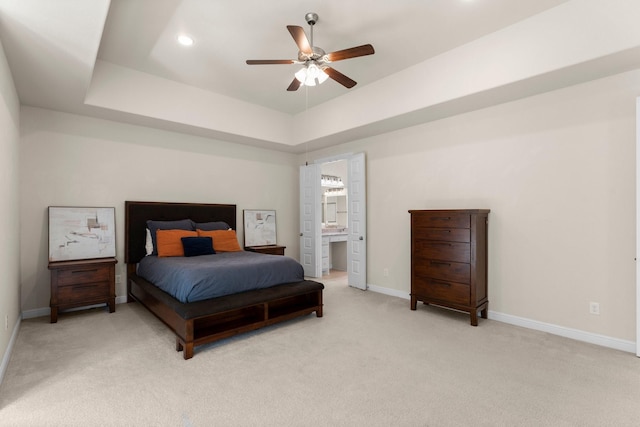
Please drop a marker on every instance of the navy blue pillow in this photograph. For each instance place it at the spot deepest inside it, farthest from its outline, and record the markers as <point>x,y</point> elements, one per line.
<point>153,226</point>
<point>195,246</point>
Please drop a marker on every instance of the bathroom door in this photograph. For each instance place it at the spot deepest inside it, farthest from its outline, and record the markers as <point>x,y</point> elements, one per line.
<point>310,228</point>
<point>357,237</point>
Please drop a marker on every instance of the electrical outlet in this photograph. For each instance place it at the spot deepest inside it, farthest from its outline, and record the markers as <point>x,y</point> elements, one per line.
<point>118,278</point>
<point>385,272</point>
<point>594,308</point>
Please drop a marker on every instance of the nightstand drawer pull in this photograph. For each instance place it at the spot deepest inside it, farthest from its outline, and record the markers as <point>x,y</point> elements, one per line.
<point>85,285</point>
<point>448,264</point>
<point>84,271</point>
<point>441,282</point>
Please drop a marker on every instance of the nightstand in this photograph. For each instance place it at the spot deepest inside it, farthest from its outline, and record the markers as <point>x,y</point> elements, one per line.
<point>81,283</point>
<point>267,249</point>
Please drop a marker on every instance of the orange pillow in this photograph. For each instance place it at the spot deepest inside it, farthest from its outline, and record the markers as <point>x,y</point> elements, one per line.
<point>223,240</point>
<point>169,243</point>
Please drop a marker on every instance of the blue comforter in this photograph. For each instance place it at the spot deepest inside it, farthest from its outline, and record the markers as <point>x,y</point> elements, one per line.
<point>196,278</point>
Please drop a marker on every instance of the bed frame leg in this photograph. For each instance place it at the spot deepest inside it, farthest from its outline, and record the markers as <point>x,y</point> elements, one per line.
<point>185,348</point>
<point>187,353</point>
<point>320,304</point>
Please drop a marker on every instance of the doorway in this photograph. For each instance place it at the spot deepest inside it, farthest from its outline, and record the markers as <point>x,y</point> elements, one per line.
<point>333,217</point>
<point>334,187</point>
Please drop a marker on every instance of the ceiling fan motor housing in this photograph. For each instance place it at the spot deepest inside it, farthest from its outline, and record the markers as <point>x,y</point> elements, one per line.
<point>311,18</point>
<point>316,55</point>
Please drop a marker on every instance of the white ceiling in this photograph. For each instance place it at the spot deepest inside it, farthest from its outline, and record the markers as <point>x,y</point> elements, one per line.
<point>228,32</point>
<point>69,55</point>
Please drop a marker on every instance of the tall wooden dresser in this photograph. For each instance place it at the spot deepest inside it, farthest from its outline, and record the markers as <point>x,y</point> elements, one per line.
<point>449,259</point>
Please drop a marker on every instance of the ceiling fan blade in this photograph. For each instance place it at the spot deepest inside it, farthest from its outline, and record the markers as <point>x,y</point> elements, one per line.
<point>269,61</point>
<point>365,49</point>
<point>300,38</point>
<point>295,84</point>
<point>339,77</point>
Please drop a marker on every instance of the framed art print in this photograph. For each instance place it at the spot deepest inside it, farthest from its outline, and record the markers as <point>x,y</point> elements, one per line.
<point>81,233</point>
<point>259,227</point>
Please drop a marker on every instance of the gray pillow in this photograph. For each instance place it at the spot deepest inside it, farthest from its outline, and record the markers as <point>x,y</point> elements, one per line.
<point>153,226</point>
<point>211,226</point>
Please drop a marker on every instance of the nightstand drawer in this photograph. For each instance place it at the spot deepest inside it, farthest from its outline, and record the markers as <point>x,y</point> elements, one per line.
<point>82,275</point>
<point>83,292</point>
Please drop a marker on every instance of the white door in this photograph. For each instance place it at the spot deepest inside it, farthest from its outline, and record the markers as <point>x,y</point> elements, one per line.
<point>637,226</point>
<point>310,215</point>
<point>357,239</point>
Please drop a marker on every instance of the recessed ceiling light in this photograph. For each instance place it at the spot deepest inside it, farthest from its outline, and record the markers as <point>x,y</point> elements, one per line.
<point>185,40</point>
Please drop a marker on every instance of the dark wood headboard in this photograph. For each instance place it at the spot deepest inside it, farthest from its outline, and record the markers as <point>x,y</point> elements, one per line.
<point>137,214</point>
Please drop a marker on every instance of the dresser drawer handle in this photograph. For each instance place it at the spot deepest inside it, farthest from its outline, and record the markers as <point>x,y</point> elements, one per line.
<point>441,218</point>
<point>84,271</point>
<point>448,264</point>
<point>443,283</point>
<point>441,244</point>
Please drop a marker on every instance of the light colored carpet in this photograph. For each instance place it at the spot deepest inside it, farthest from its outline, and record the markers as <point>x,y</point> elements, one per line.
<point>370,361</point>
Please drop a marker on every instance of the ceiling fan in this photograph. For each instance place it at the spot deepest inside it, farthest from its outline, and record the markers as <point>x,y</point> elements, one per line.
<point>316,69</point>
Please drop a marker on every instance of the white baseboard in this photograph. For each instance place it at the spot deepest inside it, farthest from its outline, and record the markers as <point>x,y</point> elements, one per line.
<point>46,311</point>
<point>390,292</point>
<point>602,340</point>
<point>7,354</point>
<point>36,312</point>
<point>605,341</point>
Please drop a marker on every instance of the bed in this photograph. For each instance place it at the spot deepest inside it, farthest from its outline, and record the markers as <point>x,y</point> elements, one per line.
<point>206,320</point>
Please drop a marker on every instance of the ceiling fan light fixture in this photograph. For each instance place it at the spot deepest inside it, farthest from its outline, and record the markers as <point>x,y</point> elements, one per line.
<point>185,40</point>
<point>311,75</point>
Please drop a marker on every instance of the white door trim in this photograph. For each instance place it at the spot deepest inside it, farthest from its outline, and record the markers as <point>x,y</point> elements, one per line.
<point>637,226</point>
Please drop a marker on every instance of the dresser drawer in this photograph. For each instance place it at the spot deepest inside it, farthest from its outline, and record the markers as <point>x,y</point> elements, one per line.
<point>443,270</point>
<point>82,275</point>
<point>445,234</point>
<point>440,220</point>
<point>325,251</point>
<point>83,292</point>
<point>456,293</point>
<point>325,263</point>
<point>443,251</point>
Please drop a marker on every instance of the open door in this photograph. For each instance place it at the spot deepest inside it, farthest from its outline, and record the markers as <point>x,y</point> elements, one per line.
<point>310,217</point>
<point>637,226</point>
<point>357,240</point>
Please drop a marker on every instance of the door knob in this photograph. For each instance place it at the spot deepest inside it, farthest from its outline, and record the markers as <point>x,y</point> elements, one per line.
<point>361,238</point>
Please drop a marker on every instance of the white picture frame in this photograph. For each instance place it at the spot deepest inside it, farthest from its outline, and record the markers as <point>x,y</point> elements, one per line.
<point>259,227</point>
<point>77,233</point>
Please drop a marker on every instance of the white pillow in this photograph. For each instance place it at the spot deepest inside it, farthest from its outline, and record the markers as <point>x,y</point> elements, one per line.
<point>148,245</point>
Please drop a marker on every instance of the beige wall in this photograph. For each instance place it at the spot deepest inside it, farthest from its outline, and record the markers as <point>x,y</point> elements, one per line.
<point>557,171</point>
<point>9,218</point>
<point>70,160</point>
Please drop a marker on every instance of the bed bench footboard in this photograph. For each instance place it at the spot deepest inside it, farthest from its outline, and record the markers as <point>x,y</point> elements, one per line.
<point>211,320</point>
